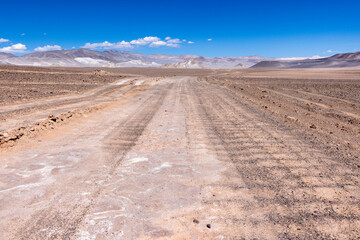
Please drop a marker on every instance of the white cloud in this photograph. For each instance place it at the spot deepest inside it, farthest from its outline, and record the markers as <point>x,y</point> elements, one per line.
<point>108,45</point>
<point>45,34</point>
<point>23,34</point>
<point>190,42</point>
<point>210,39</point>
<point>157,44</point>
<point>47,48</point>
<point>145,40</point>
<point>176,40</point>
<point>16,48</point>
<point>184,40</point>
<point>150,41</point>
<point>175,45</point>
<point>2,40</point>
<point>332,51</point>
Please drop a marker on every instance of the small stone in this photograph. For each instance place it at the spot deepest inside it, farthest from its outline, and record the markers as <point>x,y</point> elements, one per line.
<point>313,126</point>
<point>208,225</point>
<point>195,221</point>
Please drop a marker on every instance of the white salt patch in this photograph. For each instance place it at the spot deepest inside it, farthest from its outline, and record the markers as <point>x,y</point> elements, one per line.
<point>122,82</point>
<point>139,82</point>
<point>139,159</point>
<point>110,211</point>
<point>32,155</point>
<point>164,165</point>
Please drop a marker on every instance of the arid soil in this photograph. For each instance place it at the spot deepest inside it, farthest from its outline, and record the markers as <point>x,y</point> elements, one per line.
<point>170,154</point>
<point>27,83</point>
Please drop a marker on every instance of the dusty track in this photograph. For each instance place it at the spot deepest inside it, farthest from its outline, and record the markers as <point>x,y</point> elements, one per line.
<point>181,159</point>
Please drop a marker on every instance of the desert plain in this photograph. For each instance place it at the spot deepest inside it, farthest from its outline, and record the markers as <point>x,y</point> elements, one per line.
<point>150,153</point>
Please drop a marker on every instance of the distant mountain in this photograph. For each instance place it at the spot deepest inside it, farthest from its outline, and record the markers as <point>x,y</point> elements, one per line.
<point>184,64</point>
<point>346,56</point>
<point>113,58</point>
<point>344,60</point>
<point>4,57</point>
<point>217,62</point>
<point>83,58</point>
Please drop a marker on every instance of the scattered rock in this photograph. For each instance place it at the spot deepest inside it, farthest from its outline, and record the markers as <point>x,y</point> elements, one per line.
<point>195,221</point>
<point>208,225</point>
<point>313,126</point>
<point>292,118</point>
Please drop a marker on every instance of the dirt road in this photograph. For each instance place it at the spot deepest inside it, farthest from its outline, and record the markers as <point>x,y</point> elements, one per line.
<point>177,158</point>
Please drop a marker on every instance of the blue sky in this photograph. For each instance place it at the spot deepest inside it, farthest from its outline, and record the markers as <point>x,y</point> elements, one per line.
<point>237,28</point>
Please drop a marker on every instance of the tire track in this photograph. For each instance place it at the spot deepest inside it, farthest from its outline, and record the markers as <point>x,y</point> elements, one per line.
<point>107,91</point>
<point>273,166</point>
<point>56,224</point>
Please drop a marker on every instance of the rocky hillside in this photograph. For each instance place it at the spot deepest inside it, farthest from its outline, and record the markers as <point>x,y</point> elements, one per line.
<point>344,60</point>
<point>113,58</point>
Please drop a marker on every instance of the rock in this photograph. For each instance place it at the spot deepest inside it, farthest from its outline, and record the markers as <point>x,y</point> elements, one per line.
<point>292,118</point>
<point>208,225</point>
<point>313,126</point>
<point>195,221</point>
<point>52,118</point>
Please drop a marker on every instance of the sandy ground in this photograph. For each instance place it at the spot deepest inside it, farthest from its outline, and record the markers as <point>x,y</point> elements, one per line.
<point>263,154</point>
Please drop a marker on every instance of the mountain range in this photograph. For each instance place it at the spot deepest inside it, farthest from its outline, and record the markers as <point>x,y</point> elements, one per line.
<point>112,58</point>
<point>344,60</point>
